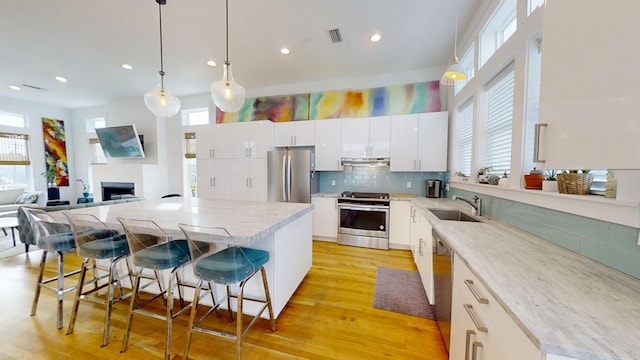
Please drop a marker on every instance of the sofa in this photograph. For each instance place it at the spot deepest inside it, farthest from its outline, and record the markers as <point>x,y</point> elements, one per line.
<point>24,227</point>
<point>12,198</point>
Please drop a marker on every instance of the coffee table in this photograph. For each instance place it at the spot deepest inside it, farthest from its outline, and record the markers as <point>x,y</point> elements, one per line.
<point>11,223</point>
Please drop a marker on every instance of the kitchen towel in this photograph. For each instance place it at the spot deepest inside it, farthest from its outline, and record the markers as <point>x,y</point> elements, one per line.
<point>401,291</point>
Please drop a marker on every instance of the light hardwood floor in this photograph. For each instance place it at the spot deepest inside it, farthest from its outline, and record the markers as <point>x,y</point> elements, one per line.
<point>331,316</point>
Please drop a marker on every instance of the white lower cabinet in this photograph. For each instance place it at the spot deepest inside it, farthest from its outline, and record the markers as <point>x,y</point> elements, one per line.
<point>421,244</point>
<point>480,328</point>
<point>249,179</point>
<point>213,179</point>
<point>325,218</point>
<point>399,224</point>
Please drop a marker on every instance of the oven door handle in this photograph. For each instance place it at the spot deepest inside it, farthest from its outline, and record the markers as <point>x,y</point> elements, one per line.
<point>363,207</point>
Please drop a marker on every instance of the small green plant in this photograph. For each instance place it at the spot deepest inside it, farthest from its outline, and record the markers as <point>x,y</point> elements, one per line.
<point>461,174</point>
<point>484,170</point>
<point>551,175</point>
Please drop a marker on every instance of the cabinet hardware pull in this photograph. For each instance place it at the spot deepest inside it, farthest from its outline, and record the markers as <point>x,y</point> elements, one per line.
<point>475,292</point>
<point>466,343</point>
<point>214,182</point>
<point>476,345</point>
<point>413,214</point>
<point>420,247</point>
<point>250,182</point>
<point>419,164</point>
<point>536,143</point>
<point>414,164</point>
<point>473,317</point>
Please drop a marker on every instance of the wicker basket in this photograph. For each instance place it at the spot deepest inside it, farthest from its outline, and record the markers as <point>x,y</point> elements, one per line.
<point>578,184</point>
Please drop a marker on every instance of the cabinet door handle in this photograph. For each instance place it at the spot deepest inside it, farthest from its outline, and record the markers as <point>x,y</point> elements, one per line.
<point>475,292</point>
<point>476,345</point>
<point>419,164</point>
<point>413,214</point>
<point>250,182</point>
<point>474,318</point>
<point>536,143</point>
<point>420,246</point>
<point>214,182</point>
<point>466,343</point>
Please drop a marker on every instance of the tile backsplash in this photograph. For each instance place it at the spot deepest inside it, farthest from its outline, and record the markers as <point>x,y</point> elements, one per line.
<point>376,179</point>
<point>608,243</point>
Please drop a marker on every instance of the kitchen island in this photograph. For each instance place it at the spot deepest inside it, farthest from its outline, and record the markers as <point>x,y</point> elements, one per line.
<point>283,229</point>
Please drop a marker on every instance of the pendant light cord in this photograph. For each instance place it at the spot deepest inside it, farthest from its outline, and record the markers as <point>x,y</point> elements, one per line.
<point>161,72</point>
<point>455,39</point>
<point>227,63</point>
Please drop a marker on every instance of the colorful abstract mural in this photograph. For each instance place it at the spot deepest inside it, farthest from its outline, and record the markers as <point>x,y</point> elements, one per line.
<point>55,150</point>
<point>390,100</point>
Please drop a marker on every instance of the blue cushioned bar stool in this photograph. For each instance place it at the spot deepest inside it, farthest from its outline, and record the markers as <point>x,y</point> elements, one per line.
<point>153,249</point>
<point>217,259</point>
<point>52,237</point>
<point>96,240</point>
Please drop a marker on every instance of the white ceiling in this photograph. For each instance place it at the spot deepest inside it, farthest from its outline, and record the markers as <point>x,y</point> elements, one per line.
<point>86,41</point>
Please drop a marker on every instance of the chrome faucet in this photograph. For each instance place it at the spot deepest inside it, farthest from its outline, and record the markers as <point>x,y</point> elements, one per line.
<point>476,203</point>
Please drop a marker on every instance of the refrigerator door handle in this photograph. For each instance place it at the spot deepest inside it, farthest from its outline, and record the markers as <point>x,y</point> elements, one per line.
<point>284,178</point>
<point>288,177</point>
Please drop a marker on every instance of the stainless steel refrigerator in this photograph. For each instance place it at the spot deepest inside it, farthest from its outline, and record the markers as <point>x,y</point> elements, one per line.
<point>291,175</point>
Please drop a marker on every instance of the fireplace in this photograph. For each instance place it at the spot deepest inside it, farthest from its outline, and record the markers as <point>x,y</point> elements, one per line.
<point>117,190</point>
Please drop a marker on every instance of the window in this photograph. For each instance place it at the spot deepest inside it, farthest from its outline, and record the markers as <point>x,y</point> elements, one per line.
<point>468,64</point>
<point>96,123</point>
<point>14,155</point>
<point>502,24</point>
<point>465,136</point>
<point>532,100</point>
<point>11,119</point>
<point>198,116</point>
<point>97,154</point>
<point>534,4</point>
<point>499,95</point>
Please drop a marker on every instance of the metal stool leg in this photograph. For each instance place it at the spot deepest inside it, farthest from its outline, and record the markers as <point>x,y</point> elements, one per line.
<point>36,295</point>
<point>268,297</point>
<point>134,297</point>
<point>60,287</point>
<point>76,301</point>
<point>194,310</point>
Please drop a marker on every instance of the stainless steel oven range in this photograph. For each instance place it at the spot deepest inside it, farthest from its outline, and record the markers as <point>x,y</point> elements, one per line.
<point>363,219</point>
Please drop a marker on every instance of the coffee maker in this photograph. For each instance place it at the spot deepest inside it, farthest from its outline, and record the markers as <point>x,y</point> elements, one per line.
<point>433,188</point>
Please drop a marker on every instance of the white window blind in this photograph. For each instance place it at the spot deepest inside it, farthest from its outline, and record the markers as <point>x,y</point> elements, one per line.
<point>465,137</point>
<point>468,64</point>
<point>14,149</point>
<point>499,121</point>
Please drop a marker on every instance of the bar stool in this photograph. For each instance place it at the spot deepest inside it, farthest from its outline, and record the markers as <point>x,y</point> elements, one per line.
<point>216,259</point>
<point>152,248</point>
<point>52,237</point>
<point>95,240</point>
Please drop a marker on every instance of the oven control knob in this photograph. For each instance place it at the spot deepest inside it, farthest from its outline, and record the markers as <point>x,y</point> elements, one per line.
<point>381,227</point>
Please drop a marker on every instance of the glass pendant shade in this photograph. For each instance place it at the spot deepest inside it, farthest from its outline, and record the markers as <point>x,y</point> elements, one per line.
<point>454,72</point>
<point>226,93</point>
<point>161,103</point>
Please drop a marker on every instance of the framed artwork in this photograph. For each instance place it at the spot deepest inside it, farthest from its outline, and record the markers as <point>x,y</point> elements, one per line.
<point>55,151</point>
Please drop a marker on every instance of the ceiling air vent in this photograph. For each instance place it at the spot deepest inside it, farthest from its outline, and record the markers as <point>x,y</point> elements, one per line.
<point>34,87</point>
<point>335,35</point>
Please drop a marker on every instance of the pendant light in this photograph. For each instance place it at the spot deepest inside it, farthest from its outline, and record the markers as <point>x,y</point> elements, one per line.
<point>454,71</point>
<point>226,93</point>
<point>161,103</point>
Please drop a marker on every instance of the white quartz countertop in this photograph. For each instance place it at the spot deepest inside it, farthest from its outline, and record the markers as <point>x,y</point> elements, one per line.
<point>567,304</point>
<point>247,221</point>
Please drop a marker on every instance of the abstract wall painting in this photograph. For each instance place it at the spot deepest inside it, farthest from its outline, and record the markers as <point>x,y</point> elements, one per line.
<point>55,150</point>
<point>389,100</point>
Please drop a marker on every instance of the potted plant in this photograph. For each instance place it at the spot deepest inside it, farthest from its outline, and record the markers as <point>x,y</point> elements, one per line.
<point>85,188</point>
<point>461,176</point>
<point>483,174</point>
<point>577,182</point>
<point>50,175</point>
<point>550,183</point>
<point>534,179</point>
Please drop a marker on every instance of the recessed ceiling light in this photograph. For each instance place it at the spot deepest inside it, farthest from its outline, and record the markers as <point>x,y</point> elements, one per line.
<point>127,66</point>
<point>61,79</point>
<point>285,51</point>
<point>375,37</point>
<point>14,87</point>
<point>211,63</point>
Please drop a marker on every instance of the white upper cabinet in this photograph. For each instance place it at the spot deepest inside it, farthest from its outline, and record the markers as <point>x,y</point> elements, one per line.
<point>214,181</point>
<point>249,179</point>
<point>366,137</point>
<point>235,140</point>
<point>589,87</point>
<point>328,144</point>
<point>419,142</point>
<point>294,133</point>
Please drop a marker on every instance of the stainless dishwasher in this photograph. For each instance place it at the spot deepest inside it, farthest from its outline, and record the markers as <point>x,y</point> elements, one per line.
<point>443,284</point>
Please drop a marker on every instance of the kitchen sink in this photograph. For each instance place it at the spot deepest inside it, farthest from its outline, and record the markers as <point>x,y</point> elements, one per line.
<point>454,215</point>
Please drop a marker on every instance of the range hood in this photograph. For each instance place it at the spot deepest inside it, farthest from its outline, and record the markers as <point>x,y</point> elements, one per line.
<point>371,162</point>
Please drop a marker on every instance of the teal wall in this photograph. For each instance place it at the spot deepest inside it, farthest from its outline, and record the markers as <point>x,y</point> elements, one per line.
<point>611,244</point>
<point>377,179</point>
